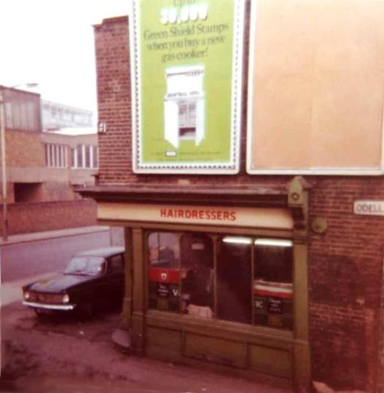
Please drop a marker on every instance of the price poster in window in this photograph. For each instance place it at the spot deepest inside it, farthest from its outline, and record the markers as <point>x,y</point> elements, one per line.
<point>187,58</point>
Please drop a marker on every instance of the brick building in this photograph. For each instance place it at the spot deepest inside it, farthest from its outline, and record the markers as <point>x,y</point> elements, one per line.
<point>43,168</point>
<point>329,266</point>
<point>57,116</point>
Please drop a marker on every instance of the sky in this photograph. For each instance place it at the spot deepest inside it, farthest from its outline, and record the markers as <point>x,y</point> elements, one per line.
<point>51,42</point>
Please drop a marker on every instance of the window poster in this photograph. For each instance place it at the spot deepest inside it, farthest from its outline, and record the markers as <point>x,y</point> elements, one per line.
<point>187,58</point>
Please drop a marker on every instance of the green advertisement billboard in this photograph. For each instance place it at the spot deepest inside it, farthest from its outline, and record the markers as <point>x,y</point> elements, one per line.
<point>187,58</point>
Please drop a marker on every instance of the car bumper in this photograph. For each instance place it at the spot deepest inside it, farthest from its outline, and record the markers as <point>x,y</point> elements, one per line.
<point>55,307</point>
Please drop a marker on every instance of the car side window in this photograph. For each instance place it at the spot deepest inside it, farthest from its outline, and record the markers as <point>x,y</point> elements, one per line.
<point>116,264</point>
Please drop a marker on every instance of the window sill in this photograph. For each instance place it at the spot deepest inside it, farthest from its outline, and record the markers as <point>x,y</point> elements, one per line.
<point>84,169</point>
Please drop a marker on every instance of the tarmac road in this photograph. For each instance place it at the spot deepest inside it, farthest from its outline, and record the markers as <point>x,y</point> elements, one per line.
<point>29,256</point>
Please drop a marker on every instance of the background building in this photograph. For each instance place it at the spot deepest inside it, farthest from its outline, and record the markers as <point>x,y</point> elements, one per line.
<point>42,168</point>
<point>317,313</point>
<point>57,116</point>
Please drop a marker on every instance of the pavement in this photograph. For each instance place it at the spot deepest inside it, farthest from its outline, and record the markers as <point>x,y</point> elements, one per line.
<point>11,291</point>
<point>31,237</point>
<point>70,355</point>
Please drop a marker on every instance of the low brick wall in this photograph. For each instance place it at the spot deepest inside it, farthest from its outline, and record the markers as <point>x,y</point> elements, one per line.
<point>48,216</point>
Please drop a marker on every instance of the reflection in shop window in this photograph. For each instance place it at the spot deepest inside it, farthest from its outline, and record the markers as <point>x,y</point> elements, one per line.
<point>273,290</point>
<point>164,271</point>
<point>233,278</point>
<point>197,275</point>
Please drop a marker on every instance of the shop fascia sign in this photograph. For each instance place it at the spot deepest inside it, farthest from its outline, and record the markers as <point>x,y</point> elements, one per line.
<point>369,208</point>
<point>196,215</point>
<point>187,85</point>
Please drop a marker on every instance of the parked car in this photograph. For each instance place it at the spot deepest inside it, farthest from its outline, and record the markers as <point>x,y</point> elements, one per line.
<point>92,281</point>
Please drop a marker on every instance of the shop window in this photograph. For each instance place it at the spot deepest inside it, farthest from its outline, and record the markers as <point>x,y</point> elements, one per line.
<point>234,279</point>
<point>164,271</point>
<point>197,275</point>
<point>240,279</point>
<point>273,291</point>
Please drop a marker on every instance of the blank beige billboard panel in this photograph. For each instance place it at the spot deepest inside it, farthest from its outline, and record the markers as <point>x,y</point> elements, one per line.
<point>316,86</point>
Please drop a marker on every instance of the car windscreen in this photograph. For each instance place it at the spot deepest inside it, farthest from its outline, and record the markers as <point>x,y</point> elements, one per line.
<point>85,265</point>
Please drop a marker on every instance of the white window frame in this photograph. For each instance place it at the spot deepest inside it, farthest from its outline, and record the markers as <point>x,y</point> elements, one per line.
<point>56,155</point>
<point>81,162</point>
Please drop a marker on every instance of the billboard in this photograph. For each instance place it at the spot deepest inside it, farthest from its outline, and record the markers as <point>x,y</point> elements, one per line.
<point>316,87</point>
<point>187,58</point>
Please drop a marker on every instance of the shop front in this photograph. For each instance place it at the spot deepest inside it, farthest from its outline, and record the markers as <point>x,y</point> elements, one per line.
<point>217,276</point>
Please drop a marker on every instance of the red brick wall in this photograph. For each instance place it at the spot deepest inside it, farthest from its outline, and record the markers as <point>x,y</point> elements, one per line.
<point>114,92</point>
<point>49,216</point>
<point>345,267</point>
<point>10,192</point>
<point>58,191</point>
<point>380,368</point>
<point>24,149</point>
<point>345,263</point>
